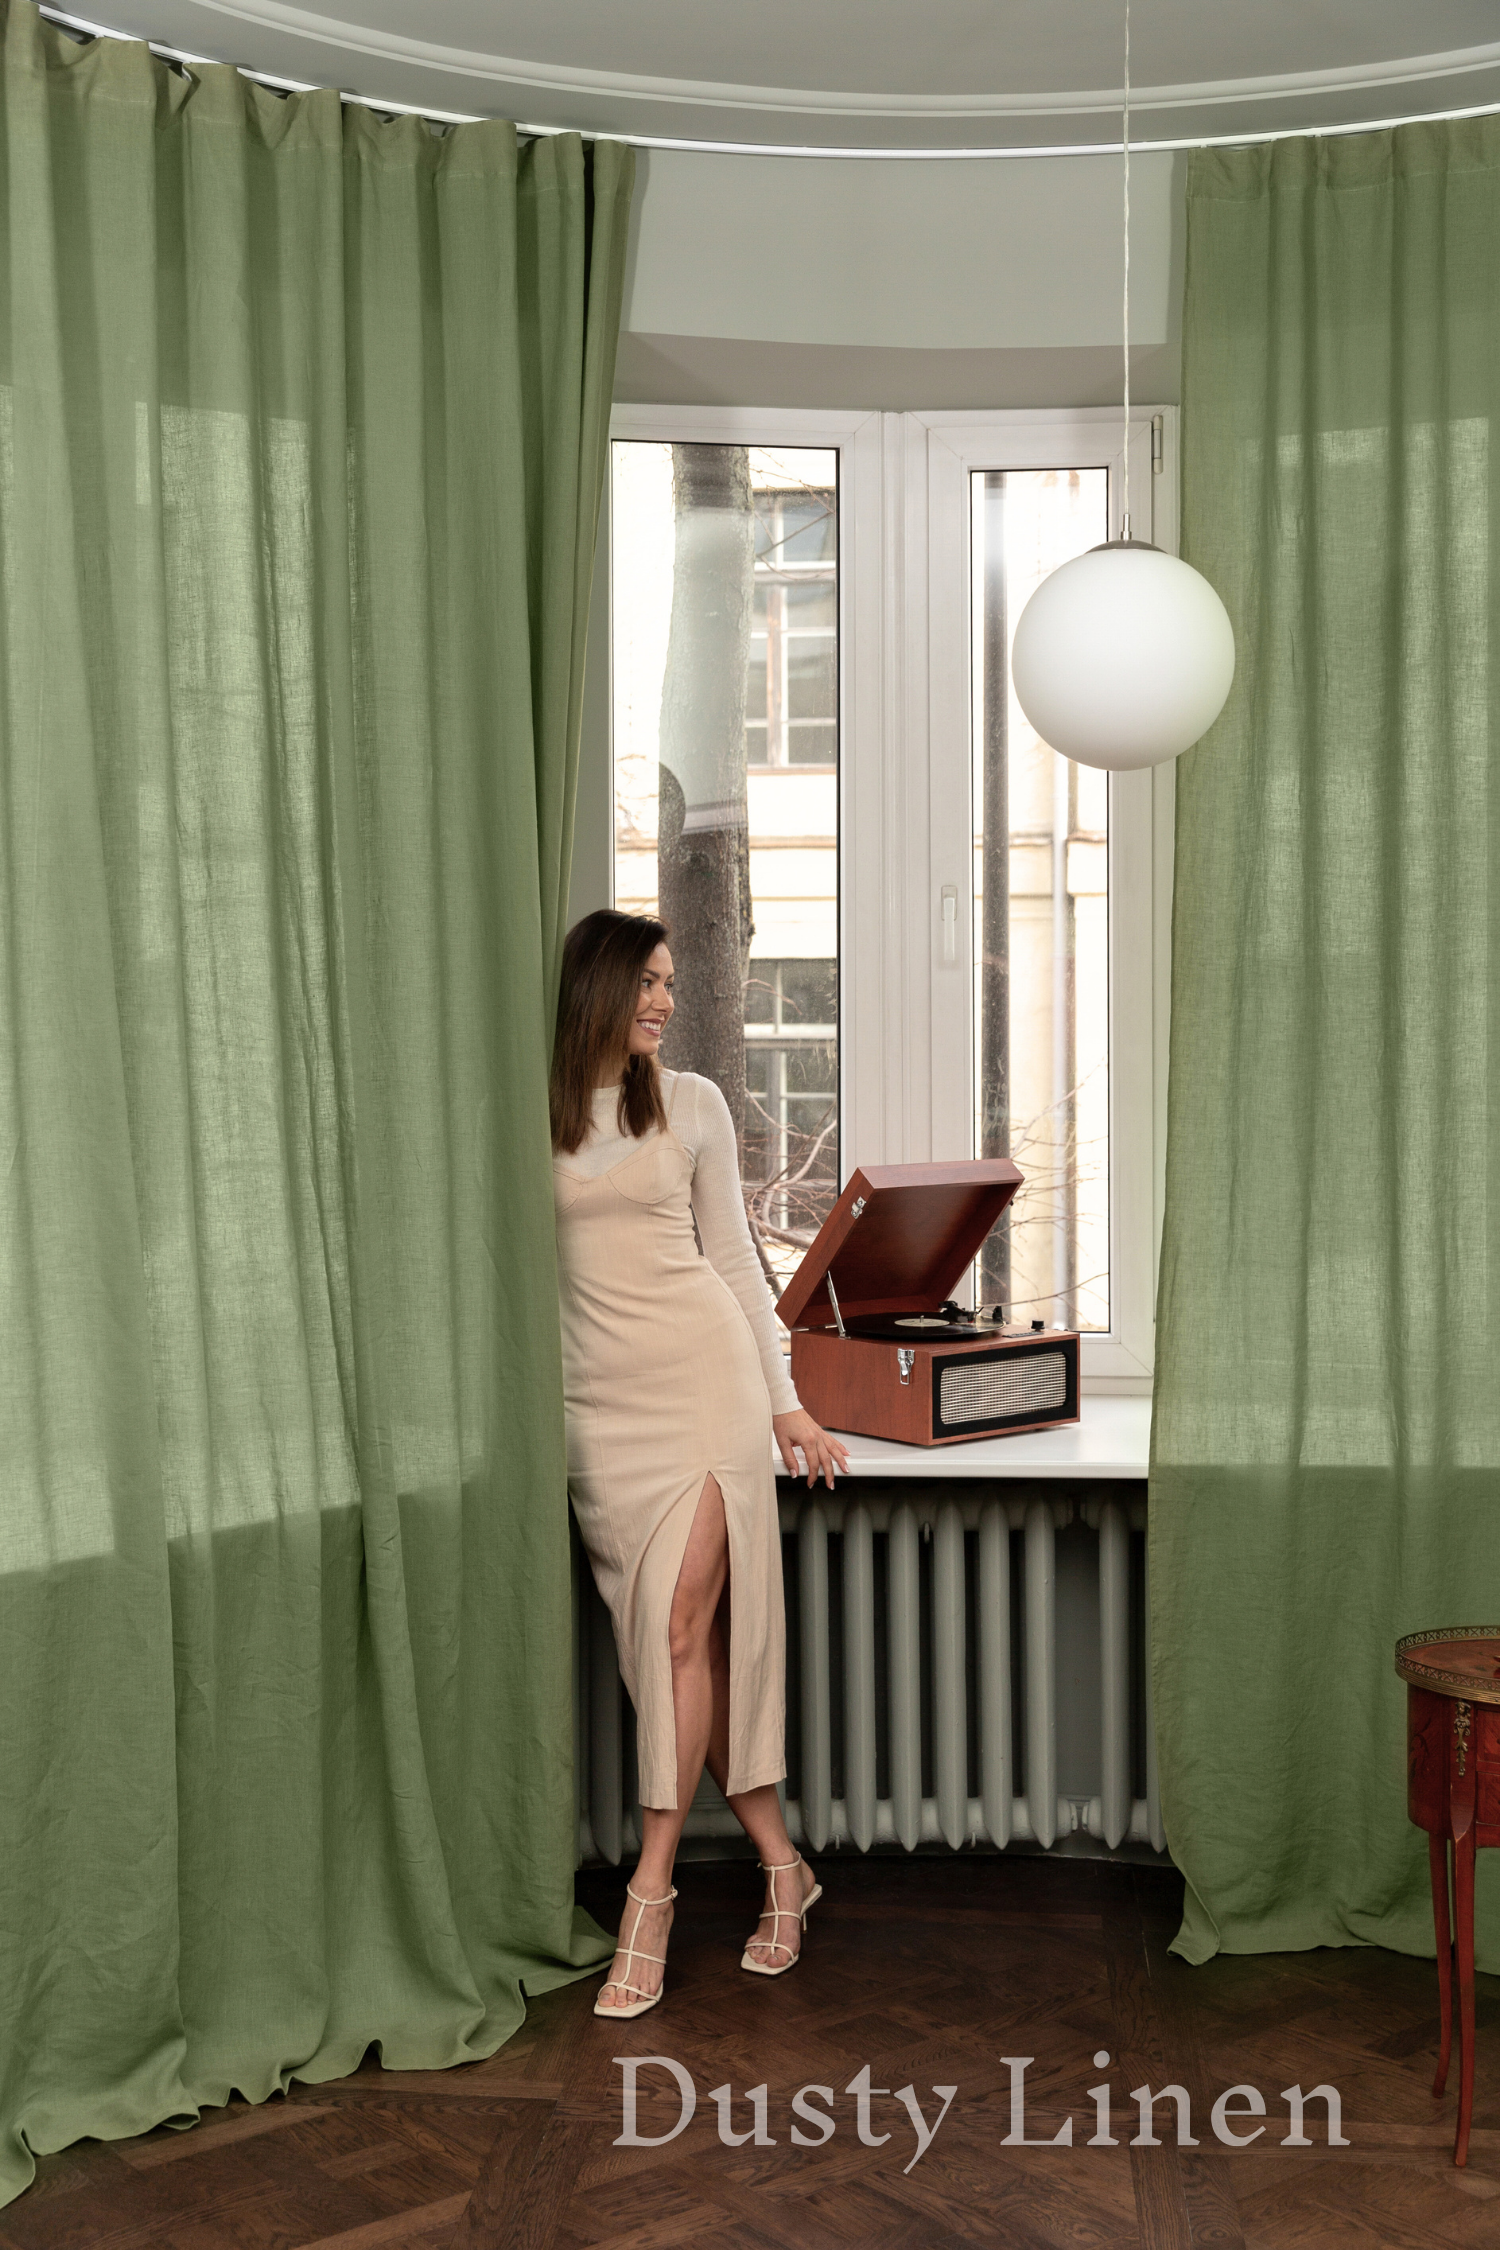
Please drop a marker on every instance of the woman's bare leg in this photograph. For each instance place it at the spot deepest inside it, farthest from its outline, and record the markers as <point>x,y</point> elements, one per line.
<point>717,1758</point>
<point>758,1811</point>
<point>700,1584</point>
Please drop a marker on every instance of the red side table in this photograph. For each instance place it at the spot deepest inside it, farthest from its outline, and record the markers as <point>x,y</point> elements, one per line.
<point>1453,1791</point>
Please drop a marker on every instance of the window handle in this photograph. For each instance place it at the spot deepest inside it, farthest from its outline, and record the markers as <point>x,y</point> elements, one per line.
<point>950,921</point>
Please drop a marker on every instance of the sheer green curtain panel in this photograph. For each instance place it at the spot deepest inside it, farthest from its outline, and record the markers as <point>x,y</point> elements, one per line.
<point>1326,1470</point>
<point>302,430</point>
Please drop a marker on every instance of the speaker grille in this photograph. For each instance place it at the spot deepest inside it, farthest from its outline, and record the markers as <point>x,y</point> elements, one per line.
<point>1015,1386</point>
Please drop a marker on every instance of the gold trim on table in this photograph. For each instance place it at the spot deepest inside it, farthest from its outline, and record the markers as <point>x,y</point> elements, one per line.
<point>1464,1684</point>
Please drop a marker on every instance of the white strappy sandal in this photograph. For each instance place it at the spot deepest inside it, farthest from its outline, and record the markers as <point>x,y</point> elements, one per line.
<point>780,1914</point>
<point>643,2000</point>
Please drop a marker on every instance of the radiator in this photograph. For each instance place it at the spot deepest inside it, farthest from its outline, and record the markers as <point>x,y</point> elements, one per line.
<point>963,1666</point>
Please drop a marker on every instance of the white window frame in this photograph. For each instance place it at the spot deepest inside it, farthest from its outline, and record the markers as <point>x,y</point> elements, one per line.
<point>948,449</point>
<point>906,1058</point>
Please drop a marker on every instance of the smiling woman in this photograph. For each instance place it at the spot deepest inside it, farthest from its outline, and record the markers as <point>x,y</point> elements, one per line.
<point>675,1385</point>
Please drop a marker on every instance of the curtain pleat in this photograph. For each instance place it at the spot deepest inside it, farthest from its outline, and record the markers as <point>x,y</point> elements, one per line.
<point>302,429</point>
<point>1326,1469</point>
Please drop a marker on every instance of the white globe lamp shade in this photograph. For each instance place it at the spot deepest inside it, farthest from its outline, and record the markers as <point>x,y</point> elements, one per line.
<point>1123,657</point>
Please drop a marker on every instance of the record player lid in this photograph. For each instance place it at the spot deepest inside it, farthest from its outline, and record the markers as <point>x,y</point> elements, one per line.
<point>898,1239</point>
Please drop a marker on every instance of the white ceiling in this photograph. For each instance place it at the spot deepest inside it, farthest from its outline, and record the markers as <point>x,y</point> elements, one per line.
<point>865,73</point>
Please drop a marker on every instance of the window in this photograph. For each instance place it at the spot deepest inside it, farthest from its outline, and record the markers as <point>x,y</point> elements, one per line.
<point>725,665</point>
<point>1046,1026</point>
<point>791,1073</point>
<point>791,699</point>
<point>947,941</point>
<point>1041,921</point>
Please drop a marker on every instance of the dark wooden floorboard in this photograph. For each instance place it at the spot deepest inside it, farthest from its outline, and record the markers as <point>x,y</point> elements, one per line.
<point>932,1973</point>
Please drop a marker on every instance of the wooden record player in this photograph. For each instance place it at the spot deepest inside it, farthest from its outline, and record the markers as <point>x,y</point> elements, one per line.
<point>878,1346</point>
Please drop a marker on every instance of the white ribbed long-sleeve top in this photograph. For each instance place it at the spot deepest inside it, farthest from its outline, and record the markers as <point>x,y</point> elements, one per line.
<point>700,1118</point>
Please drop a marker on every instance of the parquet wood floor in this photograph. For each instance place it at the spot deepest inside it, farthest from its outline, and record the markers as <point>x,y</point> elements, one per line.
<point>931,1972</point>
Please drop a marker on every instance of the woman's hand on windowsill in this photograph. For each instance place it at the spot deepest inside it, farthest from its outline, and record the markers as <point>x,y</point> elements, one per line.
<point>821,1454</point>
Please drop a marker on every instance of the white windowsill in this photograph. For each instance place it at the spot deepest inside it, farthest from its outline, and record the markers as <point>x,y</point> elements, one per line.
<point>1112,1440</point>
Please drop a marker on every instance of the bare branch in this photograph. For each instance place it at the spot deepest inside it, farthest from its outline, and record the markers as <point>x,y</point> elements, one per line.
<point>766,1267</point>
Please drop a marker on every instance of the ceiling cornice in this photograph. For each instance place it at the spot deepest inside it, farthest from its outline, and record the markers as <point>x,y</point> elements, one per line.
<point>795,101</point>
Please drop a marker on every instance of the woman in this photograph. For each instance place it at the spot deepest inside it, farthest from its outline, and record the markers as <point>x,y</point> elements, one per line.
<point>675,1383</point>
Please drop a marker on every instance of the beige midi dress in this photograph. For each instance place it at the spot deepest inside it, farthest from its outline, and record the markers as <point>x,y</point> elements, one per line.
<point>672,1368</point>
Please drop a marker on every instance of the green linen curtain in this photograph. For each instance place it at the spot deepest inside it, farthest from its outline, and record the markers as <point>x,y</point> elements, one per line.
<point>1326,1470</point>
<point>302,429</point>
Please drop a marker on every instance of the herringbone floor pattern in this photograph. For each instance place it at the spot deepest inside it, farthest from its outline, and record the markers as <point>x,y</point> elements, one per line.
<point>929,1971</point>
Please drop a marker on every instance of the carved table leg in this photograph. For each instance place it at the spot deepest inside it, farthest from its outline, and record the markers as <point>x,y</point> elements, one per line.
<point>1437,1854</point>
<point>1463,1915</point>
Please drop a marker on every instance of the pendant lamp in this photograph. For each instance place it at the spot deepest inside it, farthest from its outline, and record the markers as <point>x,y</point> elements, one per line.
<point>1124,656</point>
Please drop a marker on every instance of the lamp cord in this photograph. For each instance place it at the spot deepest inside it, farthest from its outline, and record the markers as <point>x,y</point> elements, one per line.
<point>1125,306</point>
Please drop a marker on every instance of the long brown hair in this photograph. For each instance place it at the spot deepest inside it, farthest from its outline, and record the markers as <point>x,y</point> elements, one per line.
<point>603,956</point>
